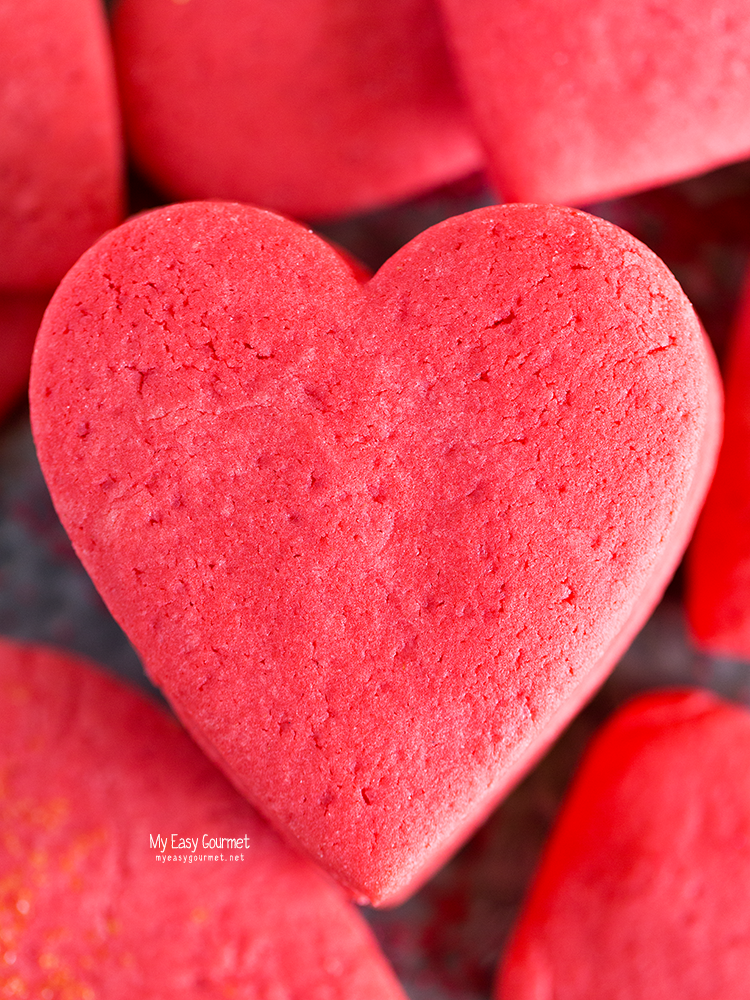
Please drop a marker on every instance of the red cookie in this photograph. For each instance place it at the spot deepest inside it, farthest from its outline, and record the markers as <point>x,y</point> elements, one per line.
<point>312,108</point>
<point>112,883</point>
<point>376,542</point>
<point>718,577</point>
<point>580,101</point>
<point>20,316</point>
<point>643,891</point>
<point>60,155</point>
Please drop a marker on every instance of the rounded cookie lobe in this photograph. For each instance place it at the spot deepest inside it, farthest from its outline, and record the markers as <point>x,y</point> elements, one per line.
<point>377,542</point>
<point>61,161</point>
<point>642,891</point>
<point>311,108</point>
<point>129,867</point>
<point>581,101</point>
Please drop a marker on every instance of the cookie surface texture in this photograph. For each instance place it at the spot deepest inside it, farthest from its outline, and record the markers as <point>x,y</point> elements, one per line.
<point>376,542</point>
<point>312,108</point>
<point>642,892</point>
<point>61,161</point>
<point>111,883</point>
<point>581,101</point>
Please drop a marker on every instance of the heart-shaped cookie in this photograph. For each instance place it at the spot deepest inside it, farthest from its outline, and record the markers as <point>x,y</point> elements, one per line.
<point>61,161</point>
<point>642,893</point>
<point>130,868</point>
<point>718,577</point>
<point>377,542</point>
<point>308,107</point>
<point>580,101</point>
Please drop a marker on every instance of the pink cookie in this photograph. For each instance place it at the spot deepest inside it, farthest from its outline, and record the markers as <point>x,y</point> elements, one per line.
<point>60,155</point>
<point>20,316</point>
<point>643,891</point>
<point>718,578</point>
<point>376,542</point>
<point>312,108</point>
<point>112,883</point>
<point>580,101</point>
